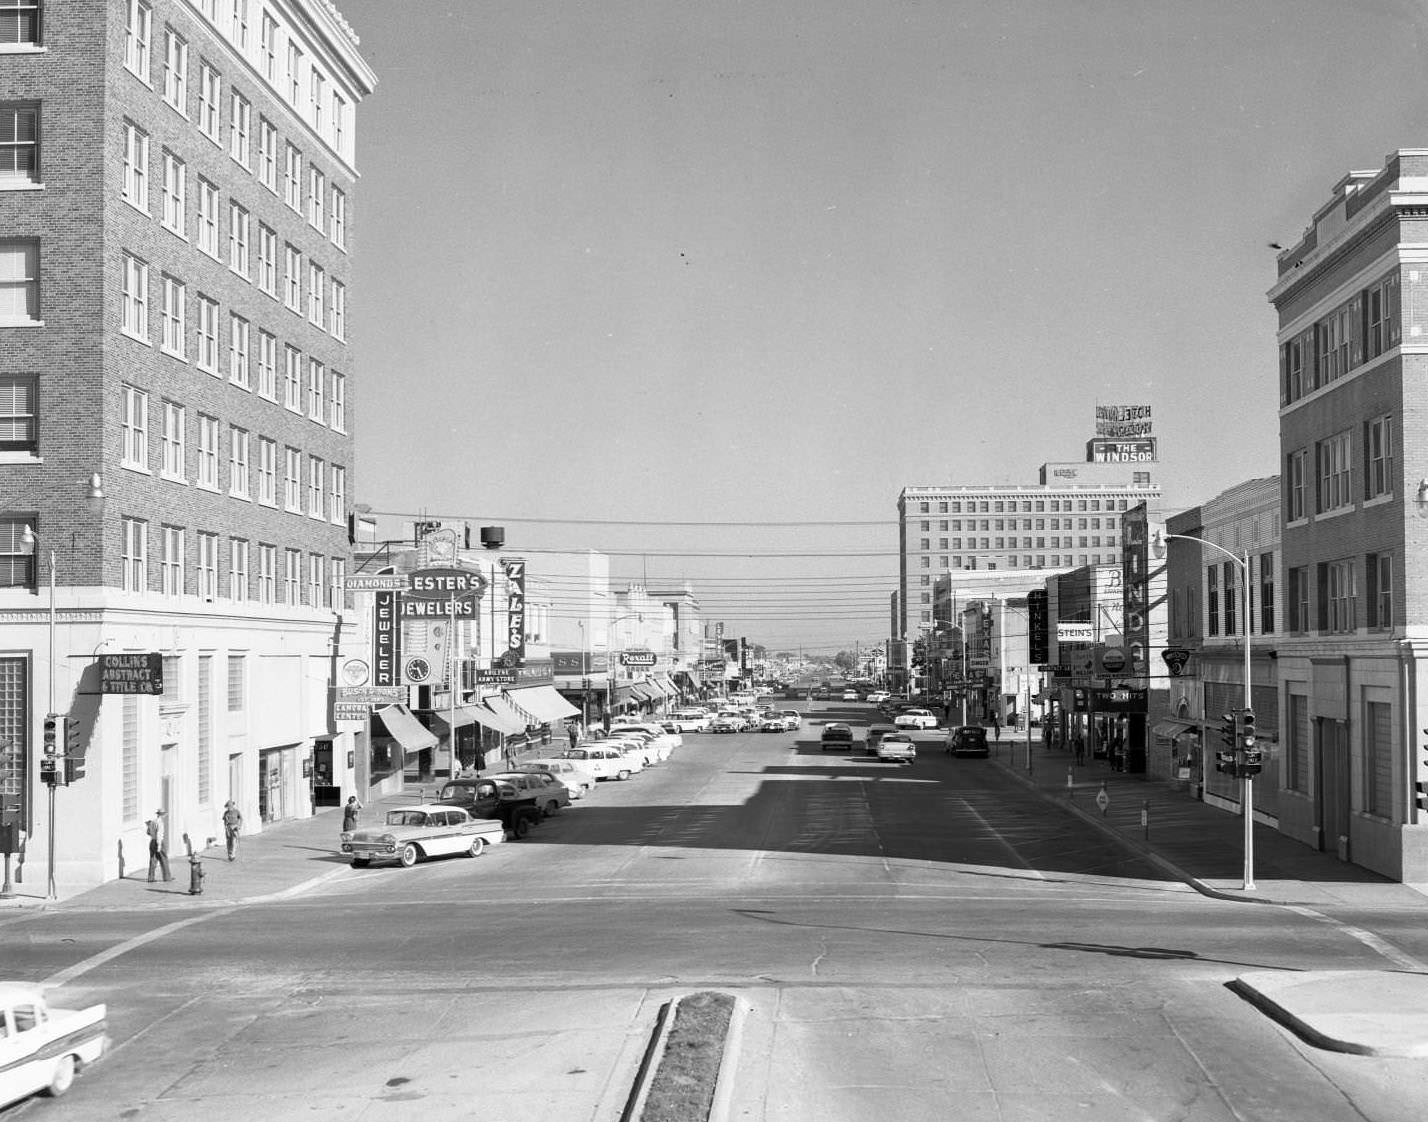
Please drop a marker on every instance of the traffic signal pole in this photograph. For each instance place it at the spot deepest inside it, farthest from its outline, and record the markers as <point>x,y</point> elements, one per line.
<point>1247,777</point>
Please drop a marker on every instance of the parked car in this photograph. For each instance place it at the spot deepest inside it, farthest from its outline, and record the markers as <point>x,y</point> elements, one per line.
<point>568,772</point>
<point>482,797</point>
<point>850,695</point>
<point>550,793</point>
<point>915,719</point>
<point>723,723</point>
<point>837,737</point>
<point>690,720</point>
<point>967,740</point>
<point>42,1047</point>
<point>641,744</point>
<point>775,723</point>
<point>879,696</point>
<point>792,719</point>
<point>663,737</point>
<point>896,746</point>
<point>414,832</point>
<point>603,762</point>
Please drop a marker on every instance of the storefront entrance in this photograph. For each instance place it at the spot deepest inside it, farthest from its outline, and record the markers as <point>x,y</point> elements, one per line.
<point>275,771</point>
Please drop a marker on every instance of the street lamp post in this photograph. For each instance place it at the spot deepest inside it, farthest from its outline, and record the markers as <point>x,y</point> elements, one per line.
<point>1247,781</point>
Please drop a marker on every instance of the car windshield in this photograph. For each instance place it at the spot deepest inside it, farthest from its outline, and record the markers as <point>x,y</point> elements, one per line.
<point>468,791</point>
<point>406,818</point>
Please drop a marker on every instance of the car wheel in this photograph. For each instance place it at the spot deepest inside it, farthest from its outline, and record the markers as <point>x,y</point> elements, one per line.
<point>408,856</point>
<point>478,847</point>
<point>522,826</point>
<point>63,1077</point>
<point>550,808</point>
<point>361,862</point>
<point>623,775</point>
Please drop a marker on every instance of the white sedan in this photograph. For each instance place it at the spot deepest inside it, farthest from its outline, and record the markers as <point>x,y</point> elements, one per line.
<point>604,761</point>
<point>568,772</point>
<point>878,696</point>
<point>915,719</point>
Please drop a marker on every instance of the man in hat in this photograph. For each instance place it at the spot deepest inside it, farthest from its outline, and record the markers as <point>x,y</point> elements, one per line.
<point>157,828</point>
<point>232,822</point>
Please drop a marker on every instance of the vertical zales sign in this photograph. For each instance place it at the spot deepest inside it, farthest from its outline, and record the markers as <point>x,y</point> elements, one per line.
<point>515,607</point>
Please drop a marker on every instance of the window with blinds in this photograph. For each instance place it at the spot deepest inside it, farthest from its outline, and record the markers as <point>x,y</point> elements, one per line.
<point>129,755</point>
<point>1296,759</point>
<point>205,728</point>
<point>1378,758</point>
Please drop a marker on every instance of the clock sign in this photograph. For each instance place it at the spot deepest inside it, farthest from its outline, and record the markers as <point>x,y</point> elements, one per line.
<point>417,670</point>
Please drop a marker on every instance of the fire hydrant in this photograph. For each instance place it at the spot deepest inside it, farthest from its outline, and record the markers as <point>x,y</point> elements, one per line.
<point>195,875</point>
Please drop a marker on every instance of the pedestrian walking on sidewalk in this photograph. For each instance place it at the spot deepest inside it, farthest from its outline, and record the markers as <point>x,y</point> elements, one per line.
<point>573,731</point>
<point>232,823</point>
<point>1078,742</point>
<point>157,828</point>
<point>350,813</point>
<point>997,728</point>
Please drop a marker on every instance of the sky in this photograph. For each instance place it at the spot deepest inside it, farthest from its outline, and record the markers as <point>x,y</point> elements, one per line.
<point>704,286</point>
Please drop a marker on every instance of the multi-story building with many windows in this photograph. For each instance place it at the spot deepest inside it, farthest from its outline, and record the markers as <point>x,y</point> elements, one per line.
<point>176,239</point>
<point>1353,661</point>
<point>999,541</point>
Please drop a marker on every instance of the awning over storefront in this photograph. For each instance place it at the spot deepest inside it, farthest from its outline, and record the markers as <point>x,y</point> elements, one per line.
<point>1171,727</point>
<point>465,715</point>
<point>502,716</point>
<point>543,703</point>
<point>624,695</point>
<point>405,729</point>
<point>670,689</point>
<point>642,691</point>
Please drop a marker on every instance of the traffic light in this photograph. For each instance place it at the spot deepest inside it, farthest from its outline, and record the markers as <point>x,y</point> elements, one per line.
<point>1229,736</point>
<point>1252,762</point>
<point>74,750</point>
<point>52,731</point>
<point>1421,786</point>
<point>1247,729</point>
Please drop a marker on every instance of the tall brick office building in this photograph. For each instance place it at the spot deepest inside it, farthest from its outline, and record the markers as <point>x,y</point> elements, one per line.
<point>176,237</point>
<point>1353,655</point>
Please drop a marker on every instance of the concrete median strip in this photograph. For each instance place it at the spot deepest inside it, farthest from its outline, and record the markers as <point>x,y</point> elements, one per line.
<point>1363,1012</point>
<point>685,1073</point>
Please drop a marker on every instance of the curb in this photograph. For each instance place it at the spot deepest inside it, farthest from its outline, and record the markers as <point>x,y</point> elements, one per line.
<point>722,1099</point>
<point>649,1062</point>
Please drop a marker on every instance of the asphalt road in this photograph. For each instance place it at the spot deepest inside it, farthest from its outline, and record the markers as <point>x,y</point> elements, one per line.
<point>931,941</point>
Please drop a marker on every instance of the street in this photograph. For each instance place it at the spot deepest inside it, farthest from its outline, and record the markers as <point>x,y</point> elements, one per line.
<point>933,941</point>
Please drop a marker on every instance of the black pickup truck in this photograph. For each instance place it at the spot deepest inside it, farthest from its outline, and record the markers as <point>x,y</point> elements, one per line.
<point>488,798</point>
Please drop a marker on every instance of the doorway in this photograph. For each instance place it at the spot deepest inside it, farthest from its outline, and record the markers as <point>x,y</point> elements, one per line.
<point>1332,751</point>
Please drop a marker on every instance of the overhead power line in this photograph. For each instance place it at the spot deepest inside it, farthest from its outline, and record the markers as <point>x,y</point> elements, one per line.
<point>518,519</point>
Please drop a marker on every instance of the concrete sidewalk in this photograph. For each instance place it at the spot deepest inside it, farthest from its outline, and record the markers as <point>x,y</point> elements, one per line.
<point>1366,1012</point>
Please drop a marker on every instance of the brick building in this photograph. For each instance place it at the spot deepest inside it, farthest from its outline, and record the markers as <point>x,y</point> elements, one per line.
<point>176,238</point>
<point>1352,670</point>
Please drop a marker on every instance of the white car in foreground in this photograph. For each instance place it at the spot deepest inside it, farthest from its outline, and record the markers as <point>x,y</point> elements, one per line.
<point>915,719</point>
<point>604,761</point>
<point>41,1047</point>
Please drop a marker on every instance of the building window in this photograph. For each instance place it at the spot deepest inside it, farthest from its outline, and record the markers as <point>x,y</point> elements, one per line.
<point>317,95</point>
<point>337,403</point>
<point>1212,599</point>
<point>316,288</point>
<point>207,452</point>
<point>237,570</point>
<point>339,219</point>
<point>1291,360</point>
<point>173,442</point>
<point>134,554</point>
<point>205,724</point>
<point>1378,569</point>
<point>1334,473</point>
<point>292,481</point>
<point>237,238</point>
<point>171,563</point>
<point>267,365</point>
<point>292,178</point>
<point>268,260</point>
<point>268,48</point>
<point>240,25</point>
<point>1338,596</point>
<point>206,336</point>
<point>19,281</point>
<point>239,366</point>
<point>18,427</point>
<point>172,323</point>
<point>19,23</point>
<point>210,97</point>
<point>316,196</point>
<point>315,475</point>
<point>19,144</point>
<point>339,123</point>
<point>1231,601</point>
<point>174,191</point>
<point>1378,758</point>
<point>292,378</point>
<point>1295,478</point>
<point>267,574</point>
<point>208,218</point>
<point>238,445</point>
<point>316,584</point>
<point>267,471</point>
<point>207,574</point>
<point>134,428</point>
<point>316,391</point>
<point>176,70</point>
<point>138,25</point>
<point>1378,450</point>
<point>17,559</point>
<point>268,154</point>
<point>293,279</point>
<point>294,82</point>
<point>292,577</point>
<point>237,683</point>
<point>1266,593</point>
<point>1382,306</point>
<point>337,494</point>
